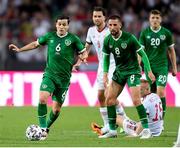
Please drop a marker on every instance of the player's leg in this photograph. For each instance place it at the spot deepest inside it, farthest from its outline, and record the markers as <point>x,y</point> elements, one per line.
<point>58,99</point>
<point>101,99</point>
<point>42,108</point>
<point>46,89</point>
<point>134,86</point>
<point>103,109</point>
<point>56,106</point>
<point>113,91</point>
<point>161,81</point>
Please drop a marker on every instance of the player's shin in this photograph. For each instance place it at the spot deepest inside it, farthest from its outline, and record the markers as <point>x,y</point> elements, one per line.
<point>142,115</point>
<point>163,100</point>
<point>112,117</point>
<point>52,118</point>
<point>42,112</point>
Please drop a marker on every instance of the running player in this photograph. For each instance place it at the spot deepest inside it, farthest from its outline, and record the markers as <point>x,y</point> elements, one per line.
<point>62,47</point>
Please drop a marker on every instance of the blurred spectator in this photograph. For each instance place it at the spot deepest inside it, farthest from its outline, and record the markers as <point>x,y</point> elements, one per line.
<point>22,21</point>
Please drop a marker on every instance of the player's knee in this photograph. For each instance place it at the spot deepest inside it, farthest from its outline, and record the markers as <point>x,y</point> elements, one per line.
<point>56,111</point>
<point>136,102</point>
<point>161,93</point>
<point>43,99</point>
<point>110,101</point>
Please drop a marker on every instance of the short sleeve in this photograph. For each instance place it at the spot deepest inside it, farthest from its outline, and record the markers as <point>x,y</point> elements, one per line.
<point>88,38</point>
<point>169,39</point>
<point>43,39</point>
<point>142,39</point>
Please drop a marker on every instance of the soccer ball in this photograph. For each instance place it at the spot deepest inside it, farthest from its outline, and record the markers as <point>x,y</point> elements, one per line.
<point>33,133</point>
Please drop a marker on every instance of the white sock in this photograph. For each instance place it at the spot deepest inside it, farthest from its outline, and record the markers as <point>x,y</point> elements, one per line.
<point>120,111</point>
<point>104,115</point>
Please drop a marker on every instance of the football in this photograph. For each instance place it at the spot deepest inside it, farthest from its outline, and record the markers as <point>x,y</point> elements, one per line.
<point>33,133</point>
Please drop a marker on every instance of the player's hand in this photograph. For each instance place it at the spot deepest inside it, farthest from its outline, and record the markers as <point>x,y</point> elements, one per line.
<point>105,80</point>
<point>76,66</point>
<point>174,72</point>
<point>83,56</point>
<point>151,76</point>
<point>14,47</point>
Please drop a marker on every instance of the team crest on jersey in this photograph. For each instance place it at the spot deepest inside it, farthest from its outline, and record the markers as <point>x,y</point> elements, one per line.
<point>67,42</point>
<point>162,37</point>
<point>124,45</point>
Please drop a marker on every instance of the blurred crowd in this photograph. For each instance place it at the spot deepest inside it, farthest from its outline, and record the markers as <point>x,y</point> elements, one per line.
<point>23,21</point>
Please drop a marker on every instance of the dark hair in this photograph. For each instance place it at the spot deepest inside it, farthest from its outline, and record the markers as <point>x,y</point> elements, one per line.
<point>62,17</point>
<point>97,8</point>
<point>155,12</point>
<point>114,17</point>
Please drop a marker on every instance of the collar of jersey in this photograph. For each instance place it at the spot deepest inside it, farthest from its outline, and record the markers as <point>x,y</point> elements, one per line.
<point>118,36</point>
<point>62,35</point>
<point>156,30</point>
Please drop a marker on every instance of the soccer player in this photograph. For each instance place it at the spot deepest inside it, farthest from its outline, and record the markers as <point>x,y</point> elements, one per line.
<point>154,111</point>
<point>62,47</point>
<point>125,48</point>
<point>95,37</point>
<point>157,41</point>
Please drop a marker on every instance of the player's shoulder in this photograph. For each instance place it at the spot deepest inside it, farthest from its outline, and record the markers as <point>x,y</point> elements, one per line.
<point>152,97</point>
<point>127,34</point>
<point>92,29</point>
<point>51,33</point>
<point>166,30</point>
<point>72,35</point>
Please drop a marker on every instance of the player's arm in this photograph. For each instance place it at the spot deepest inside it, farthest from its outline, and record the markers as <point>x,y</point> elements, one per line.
<point>172,57</point>
<point>146,63</point>
<point>27,47</point>
<point>106,61</point>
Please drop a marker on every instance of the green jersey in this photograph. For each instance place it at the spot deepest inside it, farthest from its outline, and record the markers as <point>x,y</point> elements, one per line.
<point>124,50</point>
<point>61,53</point>
<point>156,44</point>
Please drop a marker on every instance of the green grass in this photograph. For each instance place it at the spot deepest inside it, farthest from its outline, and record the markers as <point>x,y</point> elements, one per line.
<point>72,128</point>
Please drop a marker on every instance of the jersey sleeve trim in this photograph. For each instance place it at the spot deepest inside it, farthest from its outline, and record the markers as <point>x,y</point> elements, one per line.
<point>82,50</point>
<point>172,45</point>
<point>89,42</point>
<point>105,53</point>
<point>38,42</point>
<point>142,47</point>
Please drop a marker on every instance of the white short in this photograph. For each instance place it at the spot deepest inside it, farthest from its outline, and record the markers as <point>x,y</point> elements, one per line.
<point>100,82</point>
<point>129,126</point>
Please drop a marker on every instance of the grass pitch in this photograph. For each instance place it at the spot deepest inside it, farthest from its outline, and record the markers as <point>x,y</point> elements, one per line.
<point>72,129</point>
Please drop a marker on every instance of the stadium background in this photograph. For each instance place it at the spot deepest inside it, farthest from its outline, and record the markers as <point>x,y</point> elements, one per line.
<point>22,21</point>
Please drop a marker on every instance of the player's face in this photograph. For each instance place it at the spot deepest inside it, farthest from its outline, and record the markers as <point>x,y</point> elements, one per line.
<point>98,18</point>
<point>155,20</point>
<point>114,26</point>
<point>144,88</point>
<point>62,26</point>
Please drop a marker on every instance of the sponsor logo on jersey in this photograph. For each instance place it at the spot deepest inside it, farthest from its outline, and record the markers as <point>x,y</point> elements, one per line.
<point>110,46</point>
<point>124,45</point>
<point>44,86</point>
<point>162,37</point>
<point>51,41</point>
<point>67,42</point>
